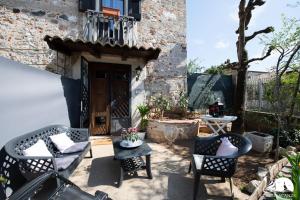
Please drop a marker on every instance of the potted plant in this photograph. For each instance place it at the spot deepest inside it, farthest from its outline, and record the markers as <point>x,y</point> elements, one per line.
<point>130,138</point>
<point>183,103</point>
<point>292,194</point>
<point>295,162</point>
<point>162,104</point>
<point>144,111</point>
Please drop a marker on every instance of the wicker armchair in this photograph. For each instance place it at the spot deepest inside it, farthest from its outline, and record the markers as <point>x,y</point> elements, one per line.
<point>205,161</point>
<point>65,189</point>
<point>32,167</point>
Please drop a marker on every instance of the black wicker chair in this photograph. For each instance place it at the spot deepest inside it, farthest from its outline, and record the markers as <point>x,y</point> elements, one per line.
<point>63,190</point>
<point>205,161</point>
<point>32,167</point>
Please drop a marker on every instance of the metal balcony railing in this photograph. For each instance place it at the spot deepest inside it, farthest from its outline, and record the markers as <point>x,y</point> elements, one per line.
<point>114,30</point>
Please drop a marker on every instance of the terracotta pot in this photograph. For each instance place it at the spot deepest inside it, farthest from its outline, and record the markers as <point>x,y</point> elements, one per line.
<point>111,12</point>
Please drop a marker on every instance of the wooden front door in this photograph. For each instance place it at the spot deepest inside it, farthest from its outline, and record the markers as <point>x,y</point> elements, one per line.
<point>110,95</point>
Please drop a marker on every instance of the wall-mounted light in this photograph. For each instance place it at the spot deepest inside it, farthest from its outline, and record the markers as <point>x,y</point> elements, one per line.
<point>138,72</point>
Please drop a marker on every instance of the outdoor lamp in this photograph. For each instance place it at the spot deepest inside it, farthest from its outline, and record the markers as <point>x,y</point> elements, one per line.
<point>138,71</point>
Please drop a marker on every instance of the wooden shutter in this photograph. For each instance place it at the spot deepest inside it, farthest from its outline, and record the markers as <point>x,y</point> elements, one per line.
<point>85,5</point>
<point>134,9</point>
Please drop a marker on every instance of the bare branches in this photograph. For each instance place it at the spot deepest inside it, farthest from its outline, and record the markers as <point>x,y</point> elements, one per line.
<point>287,64</point>
<point>251,6</point>
<point>235,65</point>
<point>262,58</point>
<point>266,30</point>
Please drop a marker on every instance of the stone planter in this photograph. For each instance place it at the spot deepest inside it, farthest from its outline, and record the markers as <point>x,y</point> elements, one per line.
<point>171,130</point>
<point>261,142</point>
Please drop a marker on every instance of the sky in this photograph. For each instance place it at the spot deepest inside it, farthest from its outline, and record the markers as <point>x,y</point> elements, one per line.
<point>211,26</point>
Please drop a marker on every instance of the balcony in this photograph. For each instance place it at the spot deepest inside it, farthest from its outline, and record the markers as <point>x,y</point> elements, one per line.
<point>119,30</point>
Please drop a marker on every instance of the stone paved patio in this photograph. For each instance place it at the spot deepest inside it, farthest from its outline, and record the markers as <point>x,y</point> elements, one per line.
<point>170,178</point>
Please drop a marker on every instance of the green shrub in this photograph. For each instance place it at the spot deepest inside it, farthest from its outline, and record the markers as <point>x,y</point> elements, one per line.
<point>295,162</point>
<point>144,111</point>
<point>287,137</point>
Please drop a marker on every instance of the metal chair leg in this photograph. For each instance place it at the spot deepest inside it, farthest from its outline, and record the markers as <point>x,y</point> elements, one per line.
<point>190,167</point>
<point>231,190</point>
<point>196,184</point>
<point>121,176</point>
<point>91,152</point>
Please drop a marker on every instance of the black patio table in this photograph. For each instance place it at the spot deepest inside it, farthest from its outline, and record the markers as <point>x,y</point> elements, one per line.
<point>131,158</point>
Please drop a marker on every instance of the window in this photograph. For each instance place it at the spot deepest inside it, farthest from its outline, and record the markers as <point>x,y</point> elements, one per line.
<point>134,9</point>
<point>134,6</point>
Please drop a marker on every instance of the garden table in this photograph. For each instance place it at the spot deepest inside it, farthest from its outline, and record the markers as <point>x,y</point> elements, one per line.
<point>220,122</point>
<point>131,158</point>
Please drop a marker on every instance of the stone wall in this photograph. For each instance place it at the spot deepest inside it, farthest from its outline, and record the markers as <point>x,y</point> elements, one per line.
<point>24,23</point>
<point>164,25</point>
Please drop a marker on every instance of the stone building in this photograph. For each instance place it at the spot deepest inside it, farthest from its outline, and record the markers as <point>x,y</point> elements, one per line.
<point>122,51</point>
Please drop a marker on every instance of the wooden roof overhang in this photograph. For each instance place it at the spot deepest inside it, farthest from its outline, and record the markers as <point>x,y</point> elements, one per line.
<point>68,46</point>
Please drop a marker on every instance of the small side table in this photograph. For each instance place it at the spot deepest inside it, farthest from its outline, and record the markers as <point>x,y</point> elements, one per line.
<point>131,159</point>
<point>220,122</point>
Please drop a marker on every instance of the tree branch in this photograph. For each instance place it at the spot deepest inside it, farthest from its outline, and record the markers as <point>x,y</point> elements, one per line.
<point>287,64</point>
<point>266,30</point>
<point>259,2</point>
<point>251,6</point>
<point>262,58</point>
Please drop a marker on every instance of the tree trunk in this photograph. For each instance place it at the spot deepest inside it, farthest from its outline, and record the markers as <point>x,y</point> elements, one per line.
<point>293,101</point>
<point>238,125</point>
<point>278,110</point>
<point>239,100</point>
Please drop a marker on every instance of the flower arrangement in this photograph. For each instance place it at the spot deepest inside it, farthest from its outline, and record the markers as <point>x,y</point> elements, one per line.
<point>130,134</point>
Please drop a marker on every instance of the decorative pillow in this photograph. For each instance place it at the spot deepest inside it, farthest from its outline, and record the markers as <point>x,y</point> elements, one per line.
<point>38,149</point>
<point>62,141</point>
<point>226,148</point>
<point>76,147</point>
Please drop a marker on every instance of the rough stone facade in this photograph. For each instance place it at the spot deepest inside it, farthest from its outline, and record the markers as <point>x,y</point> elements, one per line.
<point>172,130</point>
<point>24,23</point>
<point>164,25</point>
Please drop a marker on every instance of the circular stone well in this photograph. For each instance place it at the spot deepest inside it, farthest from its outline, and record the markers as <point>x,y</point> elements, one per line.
<point>171,130</point>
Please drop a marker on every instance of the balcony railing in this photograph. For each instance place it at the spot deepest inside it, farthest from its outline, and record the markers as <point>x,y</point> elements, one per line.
<point>114,30</point>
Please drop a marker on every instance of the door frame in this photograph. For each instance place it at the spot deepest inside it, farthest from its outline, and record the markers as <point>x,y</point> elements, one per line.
<point>111,67</point>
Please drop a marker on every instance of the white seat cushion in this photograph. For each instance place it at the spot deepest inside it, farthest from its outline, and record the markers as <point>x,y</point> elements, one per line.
<point>226,148</point>
<point>62,141</point>
<point>38,149</point>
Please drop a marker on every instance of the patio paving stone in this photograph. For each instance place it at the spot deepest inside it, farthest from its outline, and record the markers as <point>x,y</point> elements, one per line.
<point>170,177</point>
